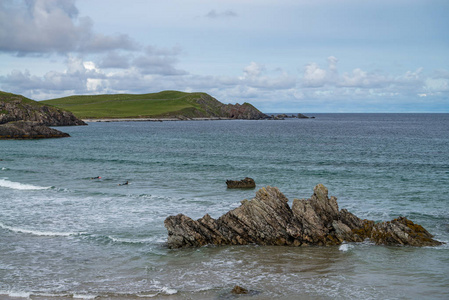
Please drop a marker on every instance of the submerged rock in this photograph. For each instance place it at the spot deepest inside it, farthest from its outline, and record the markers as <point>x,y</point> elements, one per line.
<point>238,290</point>
<point>267,219</point>
<point>246,183</point>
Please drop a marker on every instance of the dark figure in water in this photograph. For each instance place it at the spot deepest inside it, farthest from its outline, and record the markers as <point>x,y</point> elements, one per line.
<point>98,177</point>
<point>126,183</point>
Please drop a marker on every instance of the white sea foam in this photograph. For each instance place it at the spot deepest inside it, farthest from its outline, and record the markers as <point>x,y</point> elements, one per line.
<point>133,241</point>
<point>147,295</point>
<point>37,232</point>
<point>344,247</point>
<point>16,294</point>
<point>21,186</point>
<point>76,296</point>
<point>168,291</point>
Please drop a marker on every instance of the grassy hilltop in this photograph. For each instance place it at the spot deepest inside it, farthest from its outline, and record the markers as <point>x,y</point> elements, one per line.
<point>164,104</point>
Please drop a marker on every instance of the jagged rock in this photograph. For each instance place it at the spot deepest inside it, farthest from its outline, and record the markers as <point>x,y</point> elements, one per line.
<point>246,183</point>
<point>267,219</point>
<point>28,130</point>
<point>208,106</point>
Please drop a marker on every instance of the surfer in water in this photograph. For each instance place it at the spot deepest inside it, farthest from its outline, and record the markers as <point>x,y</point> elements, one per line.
<point>126,183</point>
<point>98,177</point>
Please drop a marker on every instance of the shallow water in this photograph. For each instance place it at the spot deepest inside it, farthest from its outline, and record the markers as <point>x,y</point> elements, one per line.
<point>65,235</point>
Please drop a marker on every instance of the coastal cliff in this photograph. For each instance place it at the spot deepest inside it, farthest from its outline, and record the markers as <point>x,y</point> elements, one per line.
<point>267,219</point>
<point>23,118</point>
<point>18,108</point>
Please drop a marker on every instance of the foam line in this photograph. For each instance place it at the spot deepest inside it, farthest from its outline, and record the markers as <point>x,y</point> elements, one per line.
<point>21,186</point>
<point>37,232</point>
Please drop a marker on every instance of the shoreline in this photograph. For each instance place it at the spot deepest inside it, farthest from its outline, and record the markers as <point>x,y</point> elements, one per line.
<point>152,119</point>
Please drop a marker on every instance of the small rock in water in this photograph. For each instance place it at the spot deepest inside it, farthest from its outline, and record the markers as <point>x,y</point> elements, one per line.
<point>246,183</point>
<point>238,290</point>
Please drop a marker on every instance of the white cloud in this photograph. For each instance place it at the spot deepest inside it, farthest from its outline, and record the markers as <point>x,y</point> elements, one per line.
<point>253,70</point>
<point>268,88</point>
<point>314,76</point>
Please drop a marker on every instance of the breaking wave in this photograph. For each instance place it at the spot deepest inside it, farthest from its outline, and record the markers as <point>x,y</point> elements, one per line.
<point>37,232</point>
<point>21,186</point>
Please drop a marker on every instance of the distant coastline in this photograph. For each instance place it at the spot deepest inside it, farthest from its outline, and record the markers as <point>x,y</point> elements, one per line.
<point>152,119</point>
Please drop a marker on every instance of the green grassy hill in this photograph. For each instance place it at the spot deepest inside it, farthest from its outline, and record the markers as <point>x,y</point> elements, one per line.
<point>162,104</point>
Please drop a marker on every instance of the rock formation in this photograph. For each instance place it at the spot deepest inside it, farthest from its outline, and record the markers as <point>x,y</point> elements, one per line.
<point>16,108</point>
<point>246,183</point>
<point>267,219</point>
<point>211,107</point>
<point>25,130</point>
<point>22,118</point>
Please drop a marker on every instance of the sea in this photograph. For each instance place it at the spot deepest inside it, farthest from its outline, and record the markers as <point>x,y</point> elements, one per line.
<point>71,229</point>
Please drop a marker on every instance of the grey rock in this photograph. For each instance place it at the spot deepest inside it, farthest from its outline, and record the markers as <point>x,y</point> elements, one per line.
<point>18,108</point>
<point>267,219</point>
<point>246,183</point>
<point>28,130</point>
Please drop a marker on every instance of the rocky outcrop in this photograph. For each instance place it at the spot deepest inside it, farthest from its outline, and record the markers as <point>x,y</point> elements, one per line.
<point>16,108</point>
<point>23,118</point>
<point>285,116</point>
<point>246,183</point>
<point>267,219</point>
<point>24,130</point>
<point>208,106</point>
<point>243,111</point>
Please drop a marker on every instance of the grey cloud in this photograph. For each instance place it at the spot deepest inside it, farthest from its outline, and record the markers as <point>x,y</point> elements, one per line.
<point>158,61</point>
<point>43,26</point>
<point>75,78</point>
<point>114,60</point>
<point>213,14</point>
<point>23,82</point>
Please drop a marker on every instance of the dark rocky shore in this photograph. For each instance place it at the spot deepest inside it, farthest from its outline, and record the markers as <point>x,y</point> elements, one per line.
<point>28,130</point>
<point>267,219</point>
<point>23,118</point>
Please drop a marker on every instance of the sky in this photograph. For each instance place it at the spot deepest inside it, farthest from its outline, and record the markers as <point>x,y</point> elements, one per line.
<point>284,56</point>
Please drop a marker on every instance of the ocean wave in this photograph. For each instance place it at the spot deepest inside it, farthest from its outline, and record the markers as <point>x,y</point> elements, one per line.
<point>16,294</point>
<point>30,295</point>
<point>165,291</point>
<point>21,186</point>
<point>119,240</point>
<point>38,232</point>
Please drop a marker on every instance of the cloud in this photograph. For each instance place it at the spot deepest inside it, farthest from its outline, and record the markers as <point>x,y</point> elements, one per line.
<point>113,59</point>
<point>213,14</point>
<point>158,61</point>
<point>77,78</point>
<point>314,76</point>
<point>270,89</point>
<point>49,26</point>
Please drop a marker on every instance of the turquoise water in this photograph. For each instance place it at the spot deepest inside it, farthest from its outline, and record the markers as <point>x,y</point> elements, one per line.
<point>66,235</point>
